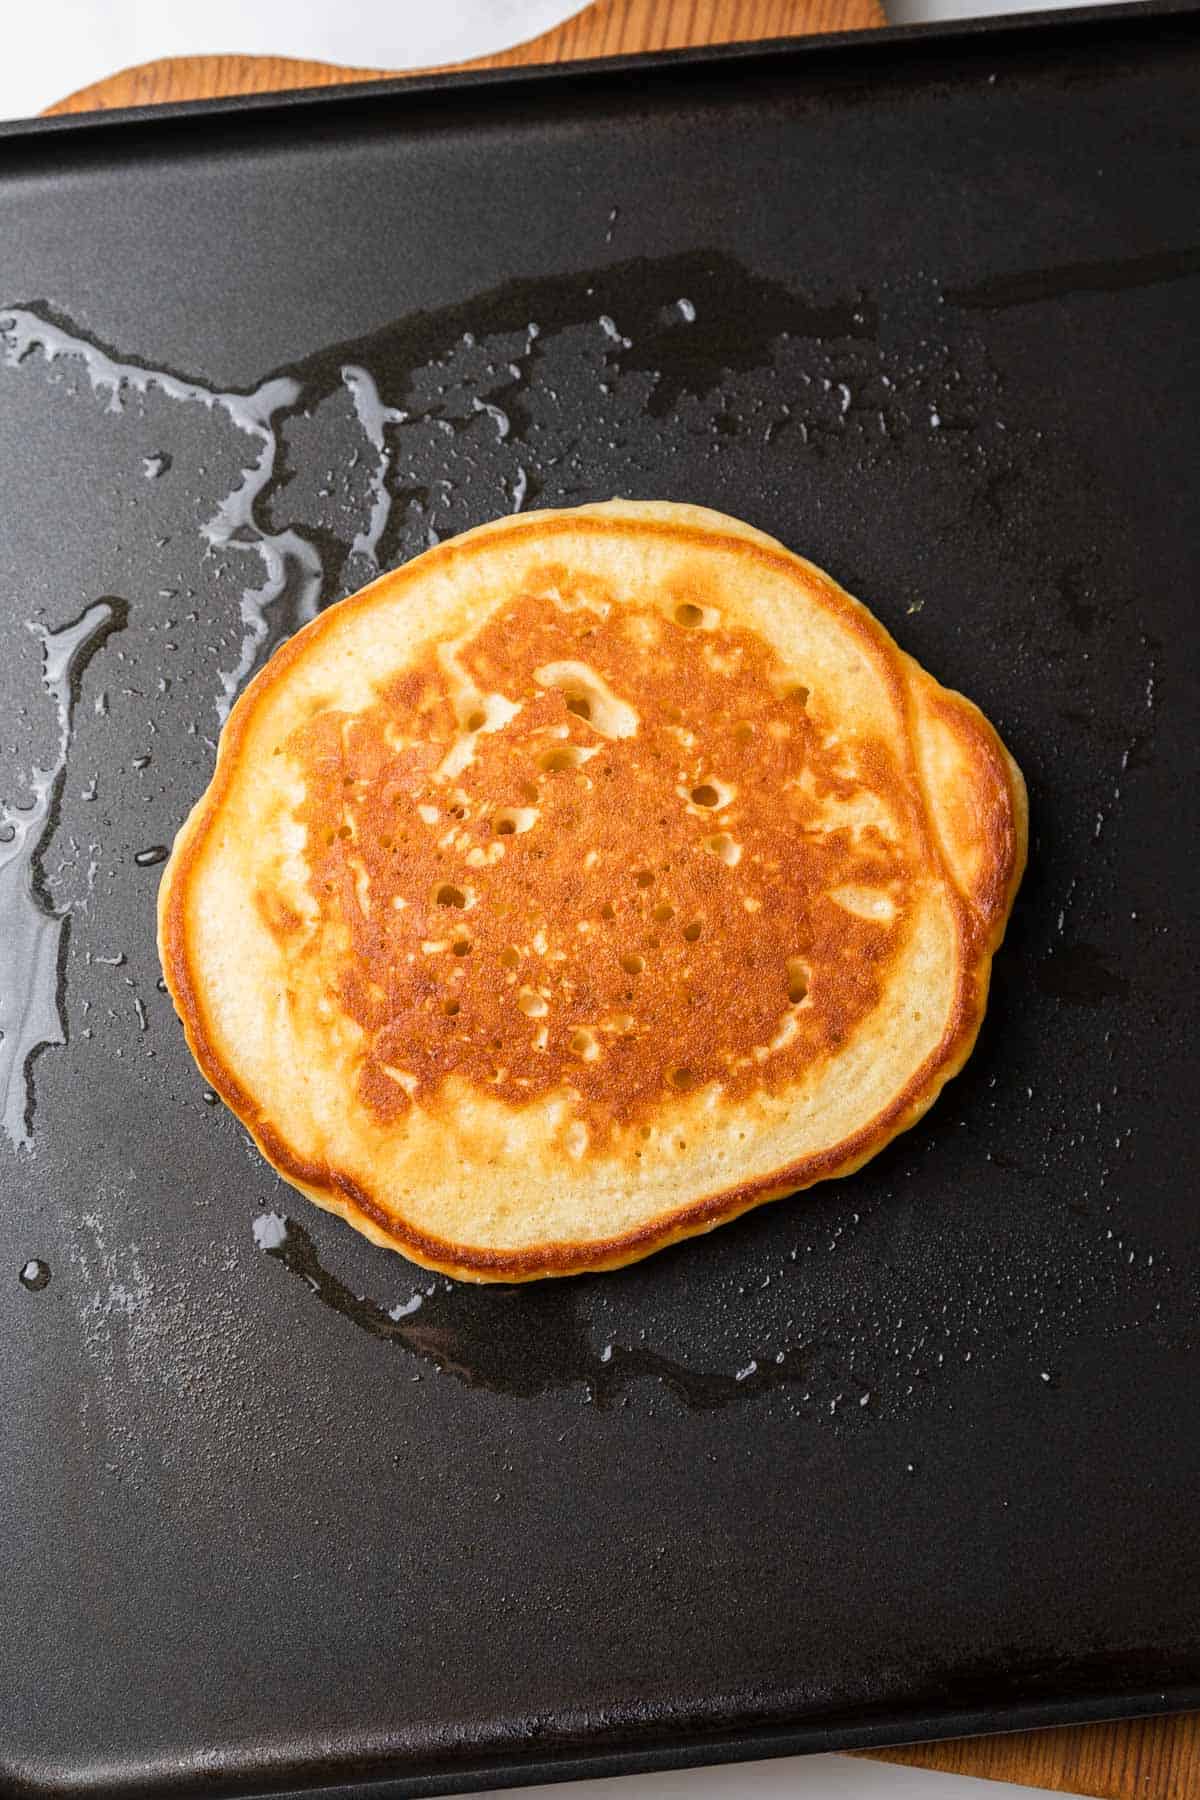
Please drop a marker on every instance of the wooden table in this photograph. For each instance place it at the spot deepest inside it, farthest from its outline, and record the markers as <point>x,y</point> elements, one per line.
<point>1147,1759</point>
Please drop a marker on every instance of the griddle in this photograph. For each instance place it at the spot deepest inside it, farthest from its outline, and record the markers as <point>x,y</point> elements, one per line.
<point>913,1454</point>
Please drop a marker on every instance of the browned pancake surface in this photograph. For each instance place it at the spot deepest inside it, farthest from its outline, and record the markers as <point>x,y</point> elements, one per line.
<point>629,915</point>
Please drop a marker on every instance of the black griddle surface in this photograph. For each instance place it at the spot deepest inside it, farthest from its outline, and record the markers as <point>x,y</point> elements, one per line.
<point>912,1454</point>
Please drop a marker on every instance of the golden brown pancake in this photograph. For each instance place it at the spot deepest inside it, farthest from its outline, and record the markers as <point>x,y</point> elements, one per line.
<point>594,877</point>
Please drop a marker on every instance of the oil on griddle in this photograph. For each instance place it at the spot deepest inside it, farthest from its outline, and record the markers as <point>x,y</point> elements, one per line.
<point>220,522</point>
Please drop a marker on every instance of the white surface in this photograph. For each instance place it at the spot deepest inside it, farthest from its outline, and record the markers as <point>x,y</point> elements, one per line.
<point>59,45</point>
<point>789,1778</point>
<point>51,48</point>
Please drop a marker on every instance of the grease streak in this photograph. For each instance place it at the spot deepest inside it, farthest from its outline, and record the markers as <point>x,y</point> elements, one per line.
<point>33,934</point>
<point>1078,278</point>
<point>291,565</point>
<point>481,1336</point>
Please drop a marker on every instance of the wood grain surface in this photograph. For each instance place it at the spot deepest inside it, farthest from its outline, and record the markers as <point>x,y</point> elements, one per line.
<point>609,28</point>
<point>1145,1759</point>
<point>1141,1759</point>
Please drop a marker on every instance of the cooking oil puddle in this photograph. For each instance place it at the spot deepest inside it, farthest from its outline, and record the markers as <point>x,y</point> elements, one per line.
<point>291,566</point>
<point>32,1012</point>
<point>32,986</point>
<point>1069,279</point>
<point>783,1327</point>
<point>376,419</point>
<point>512,1340</point>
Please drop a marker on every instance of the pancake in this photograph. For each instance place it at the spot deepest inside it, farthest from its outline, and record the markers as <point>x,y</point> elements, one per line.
<point>596,876</point>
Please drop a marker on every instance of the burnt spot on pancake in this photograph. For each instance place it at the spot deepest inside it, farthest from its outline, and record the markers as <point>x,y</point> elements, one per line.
<point>608,849</point>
